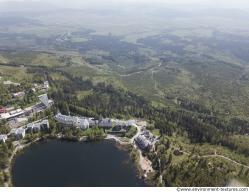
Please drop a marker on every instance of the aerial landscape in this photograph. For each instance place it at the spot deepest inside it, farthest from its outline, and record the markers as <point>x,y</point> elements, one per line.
<point>124,94</point>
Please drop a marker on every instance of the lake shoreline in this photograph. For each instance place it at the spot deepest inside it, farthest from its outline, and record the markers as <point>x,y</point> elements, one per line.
<point>143,164</point>
<point>20,148</point>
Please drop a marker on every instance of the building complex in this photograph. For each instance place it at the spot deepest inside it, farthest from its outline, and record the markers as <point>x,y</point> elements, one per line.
<point>146,140</point>
<point>18,133</point>
<point>74,121</point>
<point>86,122</point>
<point>38,107</point>
<point>37,127</point>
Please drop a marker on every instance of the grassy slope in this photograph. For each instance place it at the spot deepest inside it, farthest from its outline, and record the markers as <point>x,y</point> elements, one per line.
<point>219,88</point>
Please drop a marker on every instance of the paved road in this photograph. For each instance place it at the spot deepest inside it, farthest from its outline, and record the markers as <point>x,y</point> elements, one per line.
<point>139,129</point>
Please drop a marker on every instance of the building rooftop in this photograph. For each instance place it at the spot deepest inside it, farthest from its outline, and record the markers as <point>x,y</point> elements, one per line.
<point>72,120</point>
<point>11,83</point>
<point>12,114</point>
<point>20,131</point>
<point>143,142</point>
<point>3,137</point>
<point>17,131</point>
<point>64,118</point>
<point>44,99</point>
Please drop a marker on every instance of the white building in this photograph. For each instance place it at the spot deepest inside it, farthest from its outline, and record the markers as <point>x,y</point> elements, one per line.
<point>18,133</point>
<point>77,122</point>
<point>93,122</point>
<point>3,138</point>
<point>37,127</point>
<point>19,94</point>
<point>122,123</point>
<point>46,85</point>
<point>11,83</point>
<point>12,114</point>
<point>81,123</point>
<point>4,116</point>
<point>85,123</point>
<point>64,119</point>
<point>44,99</point>
<point>131,123</point>
<point>16,111</point>
<point>106,123</point>
<point>33,127</point>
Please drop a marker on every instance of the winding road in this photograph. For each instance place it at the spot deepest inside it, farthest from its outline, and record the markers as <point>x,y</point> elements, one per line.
<point>215,155</point>
<point>227,158</point>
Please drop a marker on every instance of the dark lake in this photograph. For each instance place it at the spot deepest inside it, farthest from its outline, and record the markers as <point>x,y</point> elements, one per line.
<point>72,164</point>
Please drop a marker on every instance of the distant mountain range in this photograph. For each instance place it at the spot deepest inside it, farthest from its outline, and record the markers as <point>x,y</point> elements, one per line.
<point>21,7</point>
<point>30,6</point>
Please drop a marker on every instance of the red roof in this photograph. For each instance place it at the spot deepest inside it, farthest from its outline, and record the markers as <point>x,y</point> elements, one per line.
<point>2,110</point>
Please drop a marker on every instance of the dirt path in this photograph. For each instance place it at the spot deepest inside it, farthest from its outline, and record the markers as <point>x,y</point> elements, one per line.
<point>130,74</point>
<point>226,158</point>
<point>215,155</point>
<point>236,183</point>
<point>143,70</point>
<point>156,87</point>
<point>145,164</point>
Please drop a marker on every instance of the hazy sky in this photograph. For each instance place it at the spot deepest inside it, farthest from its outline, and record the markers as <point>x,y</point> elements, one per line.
<point>209,3</point>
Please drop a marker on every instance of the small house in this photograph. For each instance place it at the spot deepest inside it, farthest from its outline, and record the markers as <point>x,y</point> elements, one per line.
<point>3,138</point>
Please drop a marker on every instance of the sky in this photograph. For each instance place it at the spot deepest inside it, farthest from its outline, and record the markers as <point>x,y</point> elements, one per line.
<point>209,3</point>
